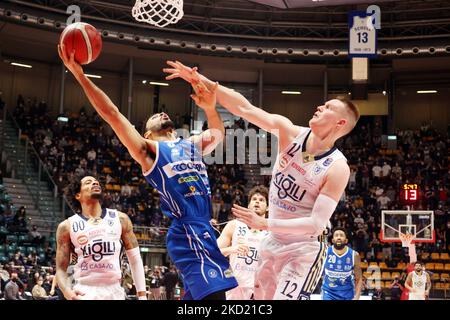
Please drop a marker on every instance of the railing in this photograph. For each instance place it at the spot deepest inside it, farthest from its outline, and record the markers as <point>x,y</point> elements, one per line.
<point>150,236</point>
<point>28,175</point>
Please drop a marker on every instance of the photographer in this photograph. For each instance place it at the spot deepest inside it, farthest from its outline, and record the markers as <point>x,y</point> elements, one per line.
<point>396,289</point>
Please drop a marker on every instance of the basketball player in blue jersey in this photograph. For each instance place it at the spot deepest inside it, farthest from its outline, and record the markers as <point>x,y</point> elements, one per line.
<point>342,279</point>
<point>309,177</point>
<point>174,167</point>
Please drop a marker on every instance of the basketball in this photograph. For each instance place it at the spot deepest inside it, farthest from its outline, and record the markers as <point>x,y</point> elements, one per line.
<point>84,39</point>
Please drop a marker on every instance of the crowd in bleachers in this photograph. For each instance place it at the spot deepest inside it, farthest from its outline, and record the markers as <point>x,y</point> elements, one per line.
<point>86,145</point>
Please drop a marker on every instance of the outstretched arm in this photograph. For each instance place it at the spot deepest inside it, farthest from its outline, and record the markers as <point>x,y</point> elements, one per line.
<point>134,255</point>
<point>63,260</point>
<point>326,202</point>
<point>206,99</point>
<point>238,105</point>
<point>128,135</point>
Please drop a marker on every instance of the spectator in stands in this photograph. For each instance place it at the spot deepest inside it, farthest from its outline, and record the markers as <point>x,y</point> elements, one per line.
<point>38,291</point>
<point>12,288</point>
<point>155,284</point>
<point>170,281</point>
<point>4,277</point>
<point>36,237</point>
<point>19,223</point>
<point>376,173</point>
<point>396,289</point>
<point>379,294</point>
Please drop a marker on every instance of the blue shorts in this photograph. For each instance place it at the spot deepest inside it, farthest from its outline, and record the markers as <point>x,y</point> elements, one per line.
<point>192,246</point>
<point>328,294</point>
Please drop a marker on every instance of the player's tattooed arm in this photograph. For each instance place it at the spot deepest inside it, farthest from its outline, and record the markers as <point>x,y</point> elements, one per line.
<point>358,276</point>
<point>128,236</point>
<point>63,250</point>
<point>428,286</point>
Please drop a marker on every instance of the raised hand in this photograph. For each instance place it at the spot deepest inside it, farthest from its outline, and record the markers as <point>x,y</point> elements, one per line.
<point>249,217</point>
<point>203,97</point>
<point>241,249</point>
<point>69,61</point>
<point>179,70</point>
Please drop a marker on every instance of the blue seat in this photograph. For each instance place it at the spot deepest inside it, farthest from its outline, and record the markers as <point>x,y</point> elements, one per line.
<point>11,238</point>
<point>3,259</point>
<point>30,250</point>
<point>11,248</point>
<point>23,238</point>
<point>3,230</point>
<point>2,249</point>
<point>22,250</point>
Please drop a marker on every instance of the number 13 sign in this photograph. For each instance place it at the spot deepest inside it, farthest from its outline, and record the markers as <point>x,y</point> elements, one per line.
<point>362,35</point>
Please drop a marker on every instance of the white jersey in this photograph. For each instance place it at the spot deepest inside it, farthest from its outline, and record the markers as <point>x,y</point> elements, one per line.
<point>97,245</point>
<point>419,283</point>
<point>244,267</point>
<point>296,183</point>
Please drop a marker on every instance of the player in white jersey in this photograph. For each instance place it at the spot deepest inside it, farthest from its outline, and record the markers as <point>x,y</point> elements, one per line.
<point>308,179</point>
<point>418,283</point>
<point>241,243</point>
<point>96,236</point>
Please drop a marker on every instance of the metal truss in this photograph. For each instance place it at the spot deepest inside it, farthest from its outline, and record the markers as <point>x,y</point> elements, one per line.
<point>403,20</point>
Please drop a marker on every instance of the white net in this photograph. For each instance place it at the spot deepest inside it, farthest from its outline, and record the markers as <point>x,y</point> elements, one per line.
<point>158,13</point>
<point>406,239</point>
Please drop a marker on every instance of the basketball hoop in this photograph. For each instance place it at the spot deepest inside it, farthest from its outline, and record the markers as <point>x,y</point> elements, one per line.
<point>158,13</point>
<point>406,239</point>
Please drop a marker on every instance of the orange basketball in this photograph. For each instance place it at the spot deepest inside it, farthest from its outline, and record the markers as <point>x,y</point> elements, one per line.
<point>84,39</point>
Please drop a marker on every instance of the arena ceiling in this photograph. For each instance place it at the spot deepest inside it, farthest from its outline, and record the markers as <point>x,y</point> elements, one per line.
<point>268,20</point>
<point>245,28</point>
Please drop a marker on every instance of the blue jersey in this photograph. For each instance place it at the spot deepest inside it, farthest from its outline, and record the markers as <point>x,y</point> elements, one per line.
<point>338,279</point>
<point>181,179</point>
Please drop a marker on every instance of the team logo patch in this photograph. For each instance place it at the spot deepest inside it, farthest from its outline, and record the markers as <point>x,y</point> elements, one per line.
<point>298,168</point>
<point>192,188</point>
<point>317,170</point>
<point>283,162</point>
<point>212,273</point>
<point>112,214</point>
<point>188,179</point>
<point>95,221</point>
<point>82,240</point>
<point>110,223</point>
<point>228,273</point>
<point>327,162</point>
<point>347,260</point>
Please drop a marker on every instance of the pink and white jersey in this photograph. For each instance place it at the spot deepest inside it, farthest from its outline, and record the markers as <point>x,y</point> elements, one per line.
<point>296,182</point>
<point>97,245</point>
<point>244,267</point>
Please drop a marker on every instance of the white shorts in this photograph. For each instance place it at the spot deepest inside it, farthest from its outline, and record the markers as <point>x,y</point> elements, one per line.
<point>416,296</point>
<point>288,271</point>
<point>240,293</point>
<point>107,292</point>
